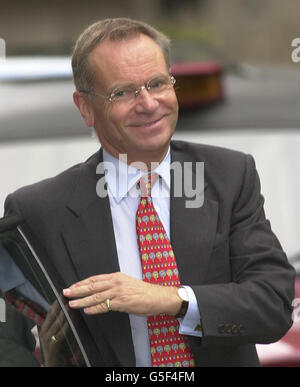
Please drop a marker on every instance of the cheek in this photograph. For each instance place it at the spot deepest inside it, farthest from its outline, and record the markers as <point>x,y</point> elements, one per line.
<point>113,122</point>
<point>107,112</point>
<point>172,104</point>
<point>174,101</point>
<point>116,117</point>
<point>105,117</point>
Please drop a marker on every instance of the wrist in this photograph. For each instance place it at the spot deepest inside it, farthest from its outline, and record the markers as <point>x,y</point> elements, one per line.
<point>177,301</point>
<point>172,302</point>
<point>183,295</point>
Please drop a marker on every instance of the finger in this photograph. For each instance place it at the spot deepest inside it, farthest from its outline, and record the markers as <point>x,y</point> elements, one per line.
<point>56,325</point>
<point>61,334</point>
<point>90,280</point>
<point>51,317</point>
<point>55,308</point>
<point>92,300</point>
<point>61,319</point>
<point>97,309</point>
<point>86,289</point>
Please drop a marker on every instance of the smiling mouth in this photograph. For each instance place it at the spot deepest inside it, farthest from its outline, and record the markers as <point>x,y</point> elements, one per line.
<point>148,124</point>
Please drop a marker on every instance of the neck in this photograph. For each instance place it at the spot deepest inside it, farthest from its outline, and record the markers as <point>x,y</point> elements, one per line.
<point>146,162</point>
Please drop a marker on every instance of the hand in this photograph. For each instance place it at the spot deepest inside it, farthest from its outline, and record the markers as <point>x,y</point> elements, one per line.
<point>55,325</point>
<point>126,294</point>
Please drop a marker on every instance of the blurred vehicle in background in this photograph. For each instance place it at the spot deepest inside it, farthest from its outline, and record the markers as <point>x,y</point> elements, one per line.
<point>198,84</point>
<point>252,109</point>
<point>285,352</point>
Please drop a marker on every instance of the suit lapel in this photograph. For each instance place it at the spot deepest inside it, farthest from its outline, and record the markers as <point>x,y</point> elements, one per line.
<point>193,230</point>
<point>89,237</point>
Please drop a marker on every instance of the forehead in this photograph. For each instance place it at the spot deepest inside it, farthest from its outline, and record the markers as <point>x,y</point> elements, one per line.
<point>132,60</point>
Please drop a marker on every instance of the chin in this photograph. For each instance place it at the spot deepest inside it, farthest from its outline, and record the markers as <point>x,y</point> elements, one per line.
<point>153,146</point>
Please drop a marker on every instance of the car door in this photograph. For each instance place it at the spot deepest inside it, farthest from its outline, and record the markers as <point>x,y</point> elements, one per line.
<point>36,326</point>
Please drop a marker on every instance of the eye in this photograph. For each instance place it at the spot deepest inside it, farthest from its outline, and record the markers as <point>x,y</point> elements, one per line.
<point>123,93</point>
<point>119,94</point>
<point>158,83</point>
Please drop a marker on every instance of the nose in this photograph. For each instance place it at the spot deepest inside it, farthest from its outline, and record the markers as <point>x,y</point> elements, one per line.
<point>145,102</point>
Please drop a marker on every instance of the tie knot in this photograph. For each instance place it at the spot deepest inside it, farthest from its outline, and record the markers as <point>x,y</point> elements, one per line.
<point>146,183</point>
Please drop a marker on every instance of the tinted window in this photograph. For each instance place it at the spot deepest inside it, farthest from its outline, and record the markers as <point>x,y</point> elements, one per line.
<point>35,325</point>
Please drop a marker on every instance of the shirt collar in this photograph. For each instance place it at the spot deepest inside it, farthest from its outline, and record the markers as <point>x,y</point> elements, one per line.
<point>121,177</point>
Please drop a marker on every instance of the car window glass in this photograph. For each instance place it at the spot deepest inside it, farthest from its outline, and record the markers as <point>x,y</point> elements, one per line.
<point>35,326</point>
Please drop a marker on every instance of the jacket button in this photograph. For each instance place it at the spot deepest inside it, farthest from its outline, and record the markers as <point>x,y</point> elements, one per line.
<point>241,328</point>
<point>228,328</point>
<point>221,328</point>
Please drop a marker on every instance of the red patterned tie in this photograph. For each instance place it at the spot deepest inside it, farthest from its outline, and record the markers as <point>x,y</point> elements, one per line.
<point>28,308</point>
<point>168,346</point>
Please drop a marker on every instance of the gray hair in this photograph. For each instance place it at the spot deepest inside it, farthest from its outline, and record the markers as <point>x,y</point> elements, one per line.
<point>115,30</point>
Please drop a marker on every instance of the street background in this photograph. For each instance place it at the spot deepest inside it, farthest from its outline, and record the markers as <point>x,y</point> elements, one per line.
<point>41,132</point>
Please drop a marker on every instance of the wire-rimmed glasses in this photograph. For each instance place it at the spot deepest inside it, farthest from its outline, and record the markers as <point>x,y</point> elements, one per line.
<point>156,86</point>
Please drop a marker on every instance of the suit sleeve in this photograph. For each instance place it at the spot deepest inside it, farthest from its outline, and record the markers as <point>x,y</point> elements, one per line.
<point>255,307</point>
<point>10,206</point>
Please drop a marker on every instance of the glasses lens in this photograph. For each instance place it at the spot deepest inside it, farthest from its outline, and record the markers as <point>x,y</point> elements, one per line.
<point>159,84</point>
<point>123,94</point>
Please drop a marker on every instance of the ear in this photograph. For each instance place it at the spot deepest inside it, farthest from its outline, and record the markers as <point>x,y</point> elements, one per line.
<point>85,108</point>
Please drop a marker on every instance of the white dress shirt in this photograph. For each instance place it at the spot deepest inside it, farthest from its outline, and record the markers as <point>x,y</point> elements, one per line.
<point>124,198</point>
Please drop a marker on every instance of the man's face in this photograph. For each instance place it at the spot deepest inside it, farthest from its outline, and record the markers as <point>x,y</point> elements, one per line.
<point>142,128</point>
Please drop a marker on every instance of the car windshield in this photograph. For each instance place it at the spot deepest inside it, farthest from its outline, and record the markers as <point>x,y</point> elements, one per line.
<point>36,328</point>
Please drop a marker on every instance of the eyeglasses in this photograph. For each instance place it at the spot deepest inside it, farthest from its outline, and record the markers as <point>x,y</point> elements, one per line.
<point>155,86</point>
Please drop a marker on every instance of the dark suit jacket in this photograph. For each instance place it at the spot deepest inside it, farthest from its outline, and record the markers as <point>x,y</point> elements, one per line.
<point>225,250</point>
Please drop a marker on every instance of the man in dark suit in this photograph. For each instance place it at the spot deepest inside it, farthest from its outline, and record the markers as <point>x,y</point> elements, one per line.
<point>236,283</point>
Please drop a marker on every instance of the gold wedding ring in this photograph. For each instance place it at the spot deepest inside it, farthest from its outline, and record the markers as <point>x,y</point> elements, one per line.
<point>53,339</point>
<point>107,303</point>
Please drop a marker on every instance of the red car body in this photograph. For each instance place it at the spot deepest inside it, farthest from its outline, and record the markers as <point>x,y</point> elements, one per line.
<point>285,352</point>
<point>198,84</point>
